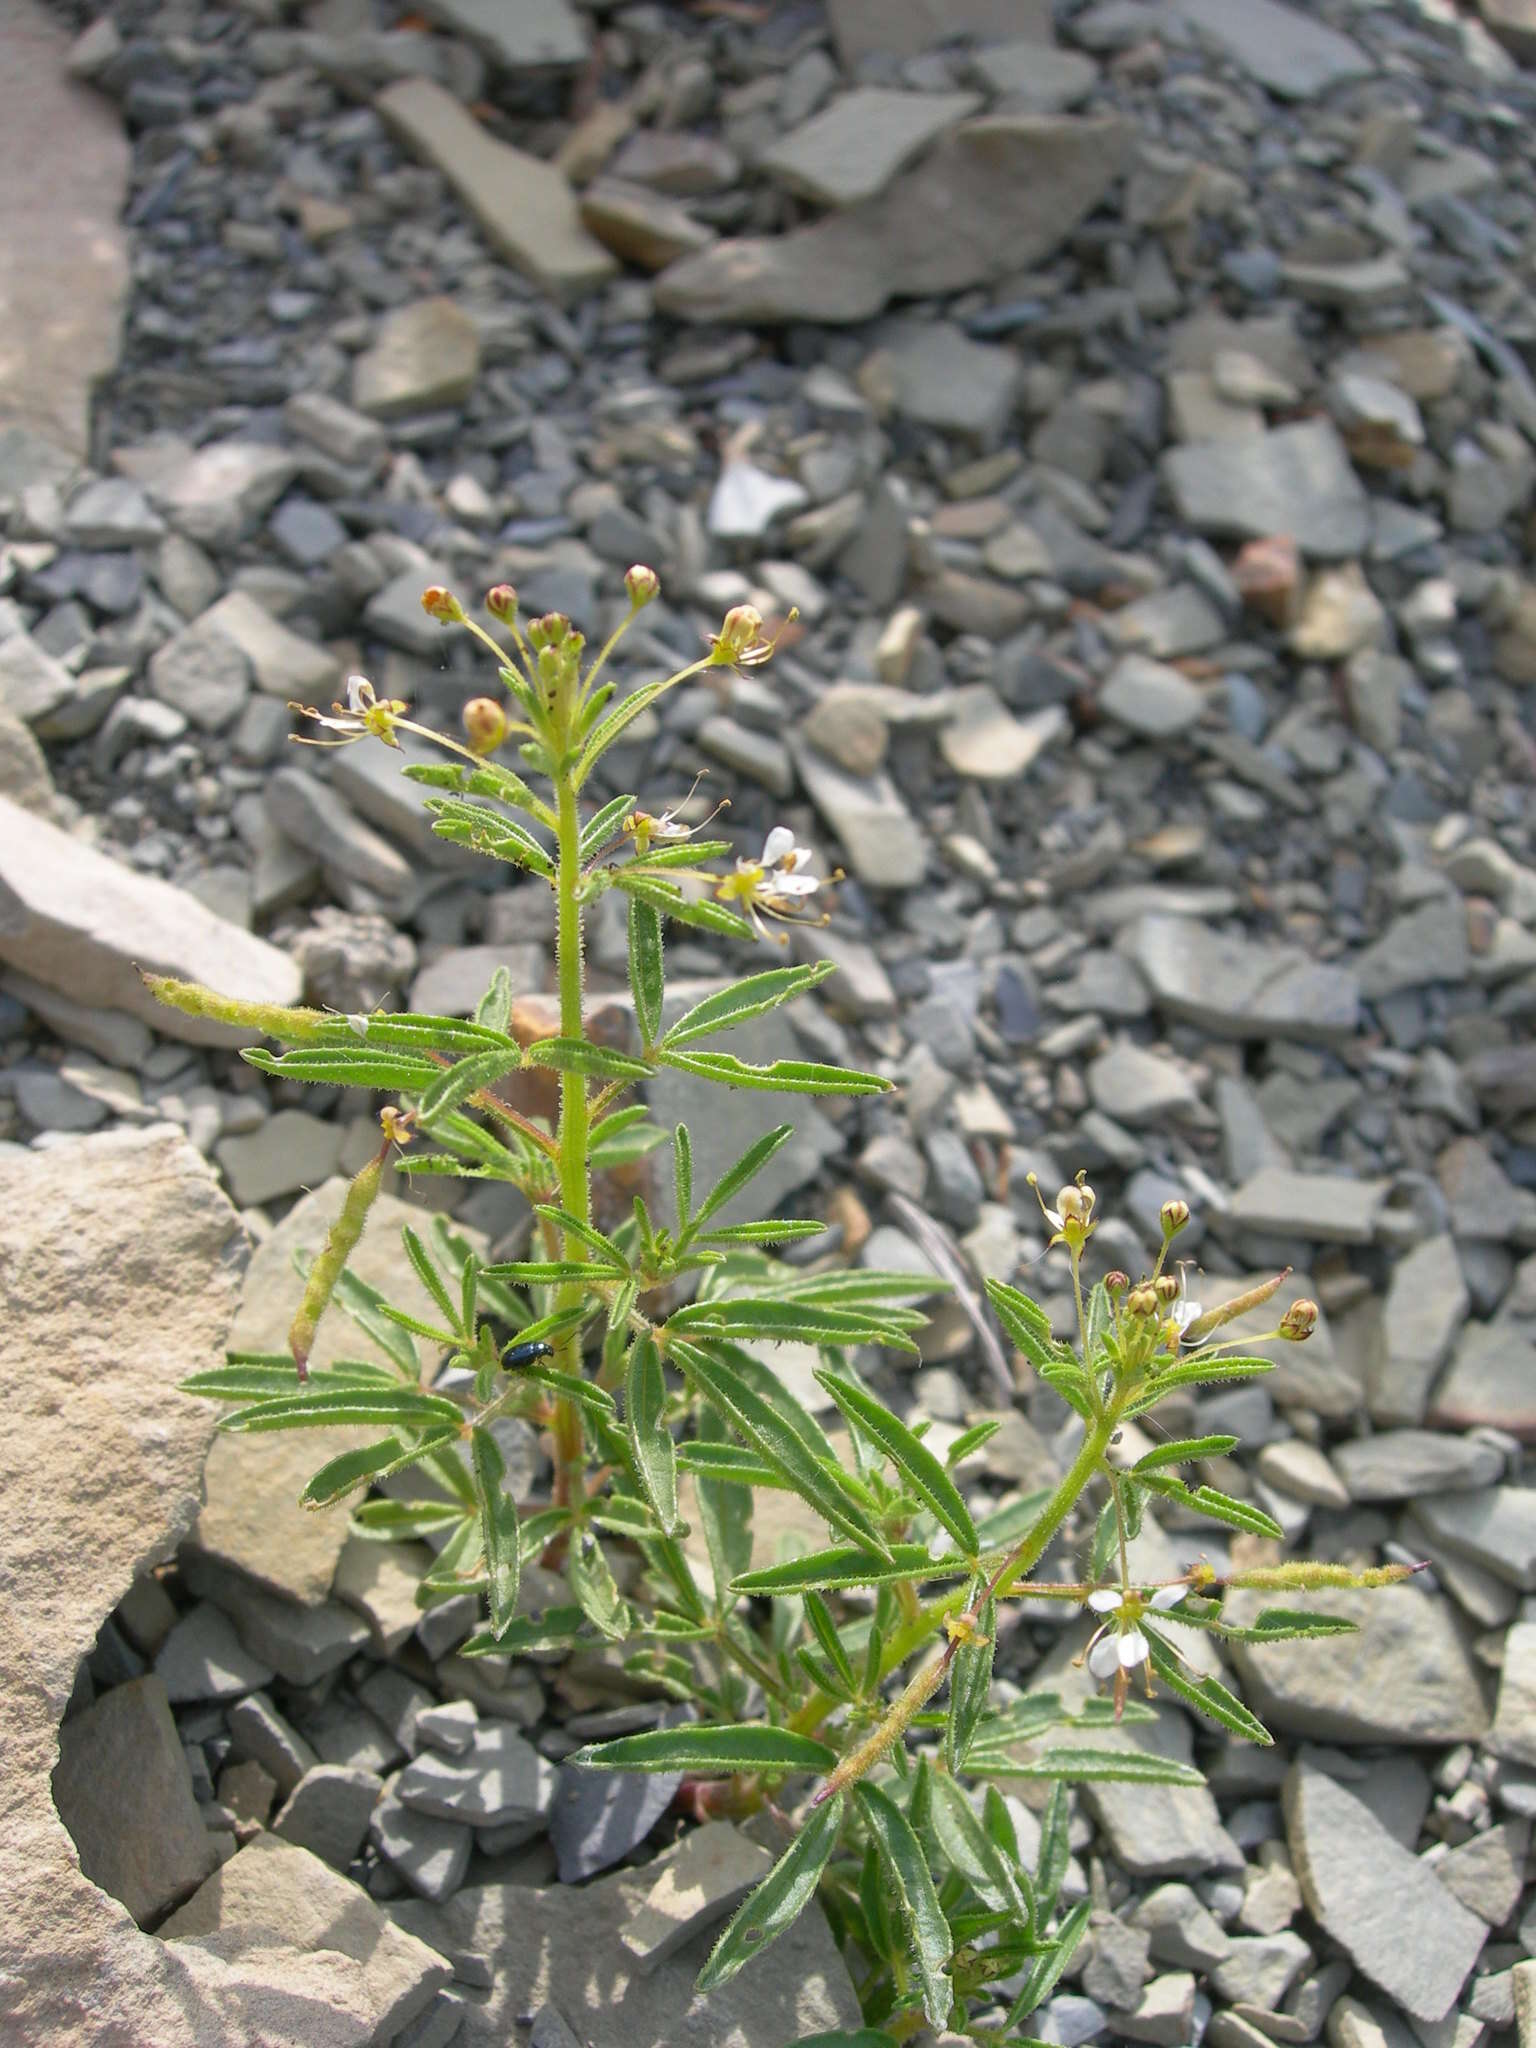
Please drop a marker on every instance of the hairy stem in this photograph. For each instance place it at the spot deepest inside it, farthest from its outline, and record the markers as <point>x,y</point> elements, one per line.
<point>575,1177</point>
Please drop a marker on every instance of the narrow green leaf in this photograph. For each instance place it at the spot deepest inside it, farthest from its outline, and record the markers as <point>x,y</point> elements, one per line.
<point>1278,1625</point>
<point>1194,1372</point>
<point>343,1475</point>
<point>682,1175</point>
<point>783,1077</point>
<point>1046,1971</point>
<point>769,1387</point>
<point>592,1582</point>
<point>1025,1323</point>
<point>736,1176</point>
<point>586,1393</point>
<point>427,1273</point>
<point>712,1751</point>
<point>1055,1851</point>
<point>975,1855</point>
<point>604,824</point>
<point>702,912</point>
<point>650,1441</point>
<point>776,1444</point>
<point>789,1321</point>
<point>725,1510</point>
<point>1207,1695</point>
<point>824,1629</point>
<point>971,1440</point>
<point>1217,1507</point>
<point>844,1565</point>
<point>396,1521</point>
<point>1088,1767</point>
<point>744,1000</point>
<point>494,1009</point>
<point>912,1458</point>
<point>557,1628</point>
<point>573,1226</point>
<point>579,1056</point>
<point>465,1077</point>
<point>778,1901</point>
<point>466,823</point>
<point>970,1686</point>
<point>646,975</point>
<point>727,1461</point>
<point>499,1531</point>
<point>394,1073</point>
<point>1184,1451</point>
<point>772,1230</point>
<point>387,1405</point>
<point>907,1869</point>
<point>259,1382</point>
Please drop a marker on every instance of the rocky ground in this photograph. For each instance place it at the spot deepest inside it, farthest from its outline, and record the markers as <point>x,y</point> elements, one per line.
<point>1136,408</point>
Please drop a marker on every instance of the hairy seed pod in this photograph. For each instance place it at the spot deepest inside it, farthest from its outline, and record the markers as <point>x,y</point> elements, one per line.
<point>340,1243</point>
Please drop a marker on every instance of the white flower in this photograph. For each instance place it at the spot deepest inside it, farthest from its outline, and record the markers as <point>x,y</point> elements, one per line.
<point>1183,1313</point>
<point>1120,1645</point>
<point>365,714</point>
<point>775,884</point>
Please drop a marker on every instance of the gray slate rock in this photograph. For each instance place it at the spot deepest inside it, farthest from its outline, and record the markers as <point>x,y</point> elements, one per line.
<point>857,143</point>
<point>1236,987</point>
<point>203,1659</point>
<point>316,817</point>
<point>1426,1304</point>
<point>327,1812</point>
<point>1293,480</point>
<point>1324,1208</point>
<point>1288,52</point>
<point>1401,1464</point>
<point>431,1854</point>
<point>1513,1735</point>
<point>501,1781</point>
<point>122,1790</point>
<point>1495,1528</point>
<point>1382,1905</point>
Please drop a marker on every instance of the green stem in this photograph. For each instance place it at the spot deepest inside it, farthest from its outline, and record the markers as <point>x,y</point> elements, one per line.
<point>572,1137</point>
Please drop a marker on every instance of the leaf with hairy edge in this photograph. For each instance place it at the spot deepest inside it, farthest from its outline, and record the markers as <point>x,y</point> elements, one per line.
<point>785,1321</point>
<point>772,1230</point>
<point>1184,1451</point>
<point>499,1531</point>
<point>646,974</point>
<point>970,1684</point>
<point>465,1078</point>
<point>767,1385</point>
<point>1277,1625</point>
<point>1055,1849</point>
<point>843,1566</point>
<point>593,1584</point>
<point>777,1444</point>
<point>1219,1507</point>
<point>395,1073</point>
<point>725,1511</point>
<point>736,1176</point>
<point>1087,1767</point>
<point>391,1406</point>
<point>344,1474</point>
<point>824,1629</point>
<point>1195,1372</point>
<point>778,1901</point>
<point>1207,1695</point>
<point>1026,1325</point>
<point>604,824</point>
<point>709,1752</point>
<point>650,1441</point>
<point>1046,1971</point>
<point>430,1278</point>
<point>557,1628</point>
<point>970,1440</point>
<point>396,1521</point>
<point>744,1000</point>
<point>257,1381</point>
<point>578,1056</point>
<point>783,1077</point>
<point>912,1882</point>
<point>605,1248</point>
<point>979,1860</point>
<point>702,912</point>
<point>726,1461</point>
<point>911,1457</point>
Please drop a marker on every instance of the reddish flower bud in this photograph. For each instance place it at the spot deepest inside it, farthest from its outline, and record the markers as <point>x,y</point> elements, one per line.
<point>501,602</point>
<point>642,585</point>
<point>485,724</point>
<point>442,605</point>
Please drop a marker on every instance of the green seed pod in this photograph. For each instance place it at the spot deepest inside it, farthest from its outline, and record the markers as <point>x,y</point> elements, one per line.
<point>276,1020</point>
<point>340,1243</point>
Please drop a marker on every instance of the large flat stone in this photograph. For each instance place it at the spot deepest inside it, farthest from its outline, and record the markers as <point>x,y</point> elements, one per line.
<point>525,208</point>
<point>1237,987</point>
<point>1282,48</point>
<point>274,1895</point>
<point>64,260</point>
<point>98,1438</point>
<point>124,1792</point>
<point>1295,480</point>
<point>992,197</point>
<point>858,142</point>
<point>1385,1908</point>
<point>905,28</point>
<point>535,35</point>
<point>885,846</point>
<point>252,1518</point>
<point>85,924</point>
<point>1406,1675</point>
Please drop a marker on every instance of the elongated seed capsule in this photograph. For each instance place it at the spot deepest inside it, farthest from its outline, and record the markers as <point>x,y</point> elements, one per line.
<point>276,1020</point>
<point>1307,1578</point>
<point>340,1243</point>
<point>1229,1311</point>
<point>869,1752</point>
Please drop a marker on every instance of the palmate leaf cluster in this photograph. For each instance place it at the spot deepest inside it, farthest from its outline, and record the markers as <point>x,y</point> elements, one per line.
<point>645,1350</point>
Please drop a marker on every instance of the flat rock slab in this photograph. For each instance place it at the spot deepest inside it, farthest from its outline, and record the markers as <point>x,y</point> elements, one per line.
<point>525,208</point>
<point>561,1947</point>
<point>858,142</point>
<point>85,924</point>
<point>991,197</point>
<point>274,1895</point>
<point>99,1438</point>
<point>1406,1675</point>
<point>1325,1208</point>
<point>252,1519</point>
<point>704,1878</point>
<point>1294,480</point>
<point>64,276</point>
<point>1491,1379</point>
<point>535,35</point>
<point>1237,987</point>
<point>1495,1528</point>
<point>906,28</point>
<point>1281,48</point>
<point>1386,1909</point>
<point>124,1792</point>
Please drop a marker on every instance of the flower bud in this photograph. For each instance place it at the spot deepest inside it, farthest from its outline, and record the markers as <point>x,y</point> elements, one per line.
<point>1141,1301</point>
<point>551,666</point>
<point>501,602</point>
<point>740,629</point>
<point>485,724</point>
<point>642,584</point>
<point>1116,1282</point>
<point>1299,1321</point>
<point>548,631</point>
<point>1173,1216</point>
<point>1075,1204</point>
<point>442,605</point>
<point>1165,1287</point>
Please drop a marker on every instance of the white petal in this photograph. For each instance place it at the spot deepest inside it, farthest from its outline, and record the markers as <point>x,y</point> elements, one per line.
<point>1053,1217</point>
<point>1186,1312</point>
<point>1104,1657</point>
<point>1167,1596</point>
<point>782,883</point>
<point>1133,1648</point>
<point>360,1025</point>
<point>1105,1600</point>
<point>779,842</point>
<point>359,693</point>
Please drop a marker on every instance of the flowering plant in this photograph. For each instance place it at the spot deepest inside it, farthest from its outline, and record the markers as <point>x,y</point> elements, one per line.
<point>847,1693</point>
